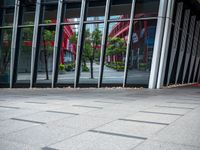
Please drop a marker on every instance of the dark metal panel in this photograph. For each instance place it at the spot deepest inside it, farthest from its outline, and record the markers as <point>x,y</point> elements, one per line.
<point>183,43</point>
<point>194,50</point>
<point>189,46</point>
<point>175,39</point>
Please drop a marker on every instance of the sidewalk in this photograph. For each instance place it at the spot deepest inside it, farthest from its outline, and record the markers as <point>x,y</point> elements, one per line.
<point>100,119</point>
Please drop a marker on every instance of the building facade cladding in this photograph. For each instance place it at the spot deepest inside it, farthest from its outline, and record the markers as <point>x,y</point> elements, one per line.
<point>98,43</point>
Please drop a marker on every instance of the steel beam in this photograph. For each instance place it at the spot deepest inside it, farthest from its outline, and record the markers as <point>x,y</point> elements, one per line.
<point>34,43</point>
<point>158,44</point>
<point>128,48</point>
<point>56,42</point>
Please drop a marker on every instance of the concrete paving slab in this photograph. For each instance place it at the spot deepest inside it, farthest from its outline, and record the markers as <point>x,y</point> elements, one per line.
<point>184,131</point>
<point>96,141</point>
<point>132,128</point>
<point>42,135</point>
<point>10,126</point>
<point>8,145</point>
<point>82,122</point>
<point>159,118</point>
<point>168,110</point>
<point>157,145</point>
<point>45,116</point>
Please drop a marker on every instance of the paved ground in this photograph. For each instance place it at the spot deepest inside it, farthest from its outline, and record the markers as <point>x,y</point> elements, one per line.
<point>100,119</point>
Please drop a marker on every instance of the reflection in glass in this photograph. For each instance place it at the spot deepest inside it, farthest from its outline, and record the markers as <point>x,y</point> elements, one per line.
<point>116,53</point>
<point>24,55</point>
<point>49,13</point>
<point>120,9</point>
<point>72,11</point>
<point>91,54</point>
<point>7,2</point>
<point>5,45</point>
<point>96,10</point>
<point>66,68</point>
<point>45,55</point>
<point>146,8</point>
<point>141,52</point>
<point>28,15</point>
<point>7,16</point>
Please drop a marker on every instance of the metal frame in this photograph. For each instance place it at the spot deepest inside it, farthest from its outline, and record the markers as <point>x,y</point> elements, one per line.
<point>197,62</point>
<point>174,48</point>
<point>183,43</point>
<point>194,49</point>
<point>165,45</point>
<point>34,44</point>
<point>104,41</point>
<point>189,46</point>
<point>13,43</point>
<point>56,43</point>
<point>158,44</point>
<point>79,43</point>
<point>128,48</point>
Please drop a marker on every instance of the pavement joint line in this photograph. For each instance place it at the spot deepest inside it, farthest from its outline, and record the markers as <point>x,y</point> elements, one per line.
<point>48,148</point>
<point>107,102</point>
<point>184,103</point>
<point>174,107</point>
<point>36,102</point>
<point>61,112</point>
<point>10,107</point>
<point>151,112</point>
<point>118,134</point>
<point>187,99</point>
<point>140,121</point>
<point>87,106</point>
<point>24,120</point>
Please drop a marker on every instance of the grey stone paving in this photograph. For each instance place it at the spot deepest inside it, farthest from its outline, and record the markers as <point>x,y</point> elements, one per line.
<point>100,119</point>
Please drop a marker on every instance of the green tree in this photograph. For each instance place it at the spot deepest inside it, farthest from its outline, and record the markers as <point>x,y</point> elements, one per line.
<point>117,46</point>
<point>90,47</point>
<point>5,45</point>
<point>47,37</point>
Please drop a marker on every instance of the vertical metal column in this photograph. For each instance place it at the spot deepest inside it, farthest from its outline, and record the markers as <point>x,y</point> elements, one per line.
<point>14,39</point>
<point>183,43</point>
<point>79,42</point>
<point>194,50</point>
<point>197,61</point>
<point>189,47</point>
<point>158,44</point>
<point>198,79</point>
<point>103,42</point>
<point>56,42</point>
<point>175,39</point>
<point>35,37</point>
<point>128,48</point>
<point>165,45</point>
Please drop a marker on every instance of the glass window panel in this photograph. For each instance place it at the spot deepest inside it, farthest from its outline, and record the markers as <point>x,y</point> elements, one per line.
<point>90,61</point>
<point>24,55</point>
<point>72,11</point>
<point>49,13</point>
<point>141,52</point>
<point>7,17</point>
<point>96,10</point>
<point>28,15</point>
<point>116,53</point>
<point>67,60</point>
<point>120,9</point>
<point>45,55</point>
<point>5,45</point>
<point>7,2</point>
<point>146,8</point>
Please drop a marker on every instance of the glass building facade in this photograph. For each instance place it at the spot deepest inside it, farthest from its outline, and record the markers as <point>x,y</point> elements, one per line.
<point>98,43</point>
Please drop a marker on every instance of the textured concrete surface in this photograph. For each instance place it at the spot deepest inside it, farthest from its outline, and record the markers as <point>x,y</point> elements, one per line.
<point>100,119</point>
